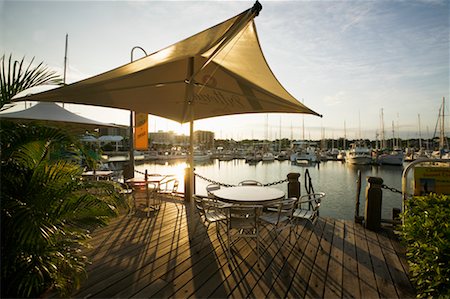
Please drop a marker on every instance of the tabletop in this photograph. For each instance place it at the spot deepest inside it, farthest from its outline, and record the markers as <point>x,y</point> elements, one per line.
<point>249,194</point>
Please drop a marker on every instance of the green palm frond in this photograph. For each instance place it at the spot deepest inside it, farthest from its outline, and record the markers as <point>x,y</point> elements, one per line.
<point>14,77</point>
<point>46,210</point>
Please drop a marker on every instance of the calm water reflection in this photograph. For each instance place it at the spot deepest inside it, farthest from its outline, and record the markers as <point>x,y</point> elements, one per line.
<point>336,179</point>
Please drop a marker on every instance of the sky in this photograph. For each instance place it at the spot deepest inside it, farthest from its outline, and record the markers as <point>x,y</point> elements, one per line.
<point>347,60</point>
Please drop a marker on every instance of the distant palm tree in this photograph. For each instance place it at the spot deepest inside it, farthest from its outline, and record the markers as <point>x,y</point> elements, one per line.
<point>15,77</point>
<point>46,210</point>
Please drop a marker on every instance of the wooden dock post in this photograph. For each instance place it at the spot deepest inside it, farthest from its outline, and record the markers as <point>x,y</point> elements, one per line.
<point>358,218</point>
<point>294,187</point>
<point>128,172</point>
<point>187,186</point>
<point>374,197</point>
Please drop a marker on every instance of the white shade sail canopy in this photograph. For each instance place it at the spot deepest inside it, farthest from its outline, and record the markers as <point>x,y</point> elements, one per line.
<point>110,138</point>
<point>219,71</point>
<point>51,113</point>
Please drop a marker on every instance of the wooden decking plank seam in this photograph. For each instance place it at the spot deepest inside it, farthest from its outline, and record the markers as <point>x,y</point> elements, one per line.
<point>382,276</point>
<point>350,280</point>
<point>316,284</point>
<point>333,280</point>
<point>399,277</point>
<point>159,257</point>
<point>299,286</point>
<point>148,262</point>
<point>365,268</point>
<point>279,286</point>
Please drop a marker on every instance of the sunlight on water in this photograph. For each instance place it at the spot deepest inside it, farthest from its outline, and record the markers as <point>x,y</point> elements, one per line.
<point>336,179</point>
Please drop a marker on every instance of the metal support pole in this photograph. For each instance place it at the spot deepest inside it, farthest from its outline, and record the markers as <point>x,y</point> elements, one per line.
<point>131,151</point>
<point>358,219</point>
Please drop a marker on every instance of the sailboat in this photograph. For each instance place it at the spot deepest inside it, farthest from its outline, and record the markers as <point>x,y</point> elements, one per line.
<point>443,152</point>
<point>395,157</point>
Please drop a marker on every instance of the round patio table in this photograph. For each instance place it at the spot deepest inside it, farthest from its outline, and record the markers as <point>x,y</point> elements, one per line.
<point>253,195</point>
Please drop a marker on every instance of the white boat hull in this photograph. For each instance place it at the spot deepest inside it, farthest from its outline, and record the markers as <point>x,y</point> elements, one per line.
<point>391,160</point>
<point>358,160</point>
<point>202,158</point>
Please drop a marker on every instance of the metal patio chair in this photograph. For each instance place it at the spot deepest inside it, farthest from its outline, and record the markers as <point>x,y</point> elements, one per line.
<point>212,187</point>
<point>243,220</point>
<point>149,192</point>
<point>308,209</point>
<point>209,213</point>
<point>279,215</point>
<point>249,183</point>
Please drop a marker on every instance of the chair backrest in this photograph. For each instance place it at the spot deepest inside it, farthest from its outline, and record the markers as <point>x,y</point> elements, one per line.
<point>175,186</point>
<point>243,216</point>
<point>212,187</point>
<point>285,209</point>
<point>250,183</point>
<point>168,184</point>
<point>199,204</point>
<point>314,200</point>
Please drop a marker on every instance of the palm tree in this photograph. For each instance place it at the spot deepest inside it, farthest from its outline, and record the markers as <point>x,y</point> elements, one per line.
<point>46,210</point>
<point>14,77</point>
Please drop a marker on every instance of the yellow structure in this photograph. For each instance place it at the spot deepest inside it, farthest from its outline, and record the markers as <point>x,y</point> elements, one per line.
<point>433,179</point>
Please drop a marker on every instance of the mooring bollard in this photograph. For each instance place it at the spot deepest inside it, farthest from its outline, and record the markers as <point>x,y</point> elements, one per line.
<point>127,172</point>
<point>374,197</point>
<point>293,187</point>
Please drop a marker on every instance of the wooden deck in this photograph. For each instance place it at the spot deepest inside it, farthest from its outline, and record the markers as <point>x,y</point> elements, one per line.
<point>160,257</point>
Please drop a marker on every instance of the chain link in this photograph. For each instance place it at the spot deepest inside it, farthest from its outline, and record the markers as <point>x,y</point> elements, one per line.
<point>223,184</point>
<point>276,183</point>
<point>229,185</point>
<point>212,181</point>
<point>383,186</point>
<point>140,172</point>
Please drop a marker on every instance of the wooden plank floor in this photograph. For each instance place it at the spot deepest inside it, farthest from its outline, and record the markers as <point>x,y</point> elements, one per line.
<point>163,256</point>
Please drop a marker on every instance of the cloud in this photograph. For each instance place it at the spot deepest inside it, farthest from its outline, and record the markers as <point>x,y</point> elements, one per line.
<point>334,100</point>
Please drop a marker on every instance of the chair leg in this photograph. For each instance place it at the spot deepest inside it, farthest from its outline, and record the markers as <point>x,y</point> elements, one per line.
<point>257,248</point>
<point>290,233</point>
<point>229,245</point>
<point>132,204</point>
<point>203,239</point>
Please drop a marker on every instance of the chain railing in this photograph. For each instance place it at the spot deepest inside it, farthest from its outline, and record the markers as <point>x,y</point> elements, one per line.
<point>392,189</point>
<point>223,184</point>
<point>140,172</point>
<point>230,185</point>
<point>212,181</point>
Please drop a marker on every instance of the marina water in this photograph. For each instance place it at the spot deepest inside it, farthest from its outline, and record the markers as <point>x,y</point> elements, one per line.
<point>338,180</point>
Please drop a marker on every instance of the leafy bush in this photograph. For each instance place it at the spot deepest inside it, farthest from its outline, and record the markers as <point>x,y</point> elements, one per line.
<point>426,233</point>
<point>46,210</point>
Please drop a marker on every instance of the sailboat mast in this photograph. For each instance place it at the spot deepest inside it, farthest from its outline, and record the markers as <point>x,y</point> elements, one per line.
<point>399,144</point>
<point>279,133</point>
<point>345,136</point>
<point>442,135</point>
<point>393,135</point>
<point>383,141</point>
<point>303,128</point>
<point>420,133</point>
<point>303,125</point>
<point>65,59</point>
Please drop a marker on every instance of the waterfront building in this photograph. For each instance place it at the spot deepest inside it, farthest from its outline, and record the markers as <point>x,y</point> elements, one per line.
<point>204,139</point>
